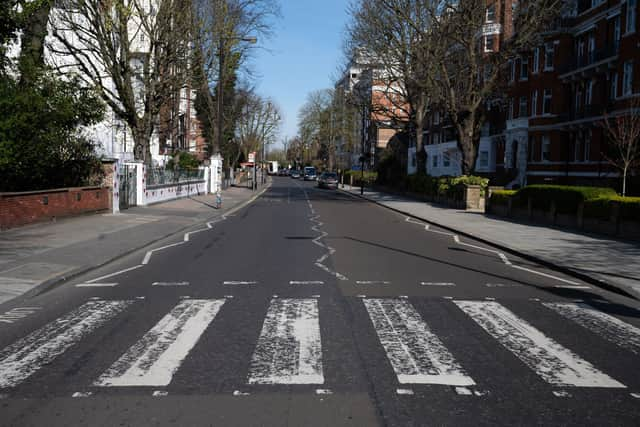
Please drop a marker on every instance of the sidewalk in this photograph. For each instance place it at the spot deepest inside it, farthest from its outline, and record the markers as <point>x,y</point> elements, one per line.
<point>37,256</point>
<point>599,260</point>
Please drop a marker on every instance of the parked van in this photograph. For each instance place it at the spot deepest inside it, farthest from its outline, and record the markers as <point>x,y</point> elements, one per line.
<point>309,173</point>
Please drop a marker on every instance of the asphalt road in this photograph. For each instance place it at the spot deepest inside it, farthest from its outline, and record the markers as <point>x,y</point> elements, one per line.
<point>311,307</point>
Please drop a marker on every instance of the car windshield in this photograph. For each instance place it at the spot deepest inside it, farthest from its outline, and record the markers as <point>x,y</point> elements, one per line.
<point>330,175</point>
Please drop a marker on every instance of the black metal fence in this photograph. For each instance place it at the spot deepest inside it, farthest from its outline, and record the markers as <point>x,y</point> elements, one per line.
<point>162,176</point>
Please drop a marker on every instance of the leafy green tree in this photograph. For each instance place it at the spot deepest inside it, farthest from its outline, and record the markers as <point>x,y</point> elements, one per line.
<point>40,145</point>
<point>183,161</point>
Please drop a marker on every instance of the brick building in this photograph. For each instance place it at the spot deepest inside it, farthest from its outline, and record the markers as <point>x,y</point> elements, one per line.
<point>585,69</point>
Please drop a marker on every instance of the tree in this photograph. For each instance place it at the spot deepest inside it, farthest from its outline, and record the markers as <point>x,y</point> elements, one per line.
<point>222,25</point>
<point>40,146</point>
<point>258,124</point>
<point>623,132</point>
<point>134,52</point>
<point>392,39</point>
<point>316,126</point>
<point>469,75</point>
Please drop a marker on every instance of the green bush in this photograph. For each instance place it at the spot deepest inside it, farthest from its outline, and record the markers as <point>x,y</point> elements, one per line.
<point>566,198</point>
<point>443,186</point>
<point>601,208</point>
<point>501,197</point>
<point>629,207</point>
<point>369,177</point>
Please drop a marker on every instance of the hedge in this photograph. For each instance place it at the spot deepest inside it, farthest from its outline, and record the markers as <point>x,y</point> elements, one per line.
<point>369,177</point>
<point>566,198</point>
<point>444,186</point>
<point>501,197</point>
<point>601,208</point>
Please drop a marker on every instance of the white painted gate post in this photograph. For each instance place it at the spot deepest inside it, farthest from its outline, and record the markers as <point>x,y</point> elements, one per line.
<point>115,188</point>
<point>216,173</point>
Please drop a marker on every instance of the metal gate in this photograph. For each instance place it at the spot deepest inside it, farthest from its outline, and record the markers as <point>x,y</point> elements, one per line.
<point>127,187</point>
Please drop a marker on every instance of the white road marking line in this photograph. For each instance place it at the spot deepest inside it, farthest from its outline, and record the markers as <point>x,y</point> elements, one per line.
<point>416,354</point>
<point>561,393</point>
<point>502,285</point>
<point>306,282</point>
<point>27,355</point>
<point>609,327</point>
<point>372,282</point>
<point>323,391</point>
<point>463,391</point>
<point>170,284</point>
<point>240,393</point>
<point>289,349</point>
<point>160,393</point>
<point>481,393</point>
<point>404,392</point>
<point>82,394</point>
<point>551,361</point>
<point>361,296</point>
<point>448,298</point>
<point>239,282</point>
<point>636,395</point>
<point>489,298</point>
<point>437,284</point>
<point>154,359</point>
<point>333,273</point>
<point>97,279</point>
<point>148,255</point>
<point>187,236</point>
<point>17,313</point>
<point>572,286</point>
<point>539,273</point>
<point>96,285</point>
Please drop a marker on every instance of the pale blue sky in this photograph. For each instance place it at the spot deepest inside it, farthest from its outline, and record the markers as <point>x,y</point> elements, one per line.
<point>304,54</point>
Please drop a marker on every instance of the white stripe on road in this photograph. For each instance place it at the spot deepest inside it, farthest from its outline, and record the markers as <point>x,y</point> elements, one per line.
<point>437,284</point>
<point>372,282</point>
<point>554,363</point>
<point>306,282</point>
<point>289,349</point>
<point>572,286</point>
<point>27,355</point>
<point>550,276</point>
<point>154,359</point>
<point>147,256</point>
<point>170,284</point>
<point>97,279</point>
<point>237,282</point>
<point>610,328</point>
<point>96,285</point>
<point>415,353</point>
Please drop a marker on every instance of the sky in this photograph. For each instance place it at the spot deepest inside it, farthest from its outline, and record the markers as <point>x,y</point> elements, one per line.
<point>302,56</point>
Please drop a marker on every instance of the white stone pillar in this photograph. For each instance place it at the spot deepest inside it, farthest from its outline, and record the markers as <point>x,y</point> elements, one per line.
<point>216,173</point>
<point>115,188</point>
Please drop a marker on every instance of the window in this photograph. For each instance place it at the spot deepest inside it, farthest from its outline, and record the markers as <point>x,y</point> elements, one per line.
<point>588,96</point>
<point>512,70</point>
<point>548,56</point>
<point>578,99</point>
<point>534,103</point>
<point>522,108</point>
<point>488,43</point>
<point>435,160</point>
<point>484,159</point>
<point>627,79</point>
<point>578,152</point>
<point>491,13</point>
<point>436,138</point>
<point>524,68</point>
<point>587,145</point>
<point>531,148</point>
<point>446,160</point>
<point>354,75</point>
<point>631,15</point>
<point>436,117</point>
<point>545,153</point>
<point>546,102</point>
<point>614,86</point>
<point>511,109</point>
<point>592,47</point>
<point>536,60</point>
<point>616,32</point>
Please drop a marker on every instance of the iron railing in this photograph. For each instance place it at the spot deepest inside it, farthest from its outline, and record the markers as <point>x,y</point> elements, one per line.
<point>162,176</point>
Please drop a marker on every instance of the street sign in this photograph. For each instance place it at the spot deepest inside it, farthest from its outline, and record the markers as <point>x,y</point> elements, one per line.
<point>252,157</point>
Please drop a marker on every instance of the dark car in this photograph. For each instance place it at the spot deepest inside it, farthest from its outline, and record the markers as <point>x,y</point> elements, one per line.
<point>295,174</point>
<point>328,180</point>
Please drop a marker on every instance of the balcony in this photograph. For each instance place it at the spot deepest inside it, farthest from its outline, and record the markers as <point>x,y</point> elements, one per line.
<point>592,61</point>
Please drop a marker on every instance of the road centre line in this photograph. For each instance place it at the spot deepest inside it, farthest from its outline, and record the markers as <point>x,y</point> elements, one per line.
<point>170,284</point>
<point>437,284</point>
<point>239,282</point>
<point>372,282</point>
<point>96,285</point>
<point>147,256</point>
<point>306,282</point>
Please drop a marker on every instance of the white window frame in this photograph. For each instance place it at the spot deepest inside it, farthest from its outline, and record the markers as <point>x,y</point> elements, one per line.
<point>524,68</point>
<point>588,93</point>
<point>446,159</point>
<point>630,16</point>
<point>435,161</point>
<point>545,148</point>
<point>483,159</point>
<point>536,61</point>
<point>627,78</point>
<point>547,94</point>
<point>524,102</point>
<point>549,49</point>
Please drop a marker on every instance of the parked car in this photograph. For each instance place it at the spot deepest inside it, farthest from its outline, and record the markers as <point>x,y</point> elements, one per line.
<point>295,174</point>
<point>310,173</point>
<point>328,180</point>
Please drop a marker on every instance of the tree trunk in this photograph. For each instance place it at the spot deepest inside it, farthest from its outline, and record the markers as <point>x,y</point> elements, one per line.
<point>33,37</point>
<point>421,155</point>
<point>468,146</point>
<point>141,145</point>
<point>624,182</point>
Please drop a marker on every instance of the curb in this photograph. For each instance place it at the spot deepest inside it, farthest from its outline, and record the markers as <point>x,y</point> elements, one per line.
<point>617,289</point>
<point>49,284</point>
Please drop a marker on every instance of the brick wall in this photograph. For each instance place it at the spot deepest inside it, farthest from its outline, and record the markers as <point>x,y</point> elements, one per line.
<point>18,209</point>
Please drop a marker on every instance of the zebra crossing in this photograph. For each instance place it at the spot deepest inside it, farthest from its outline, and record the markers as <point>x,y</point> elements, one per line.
<point>289,350</point>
